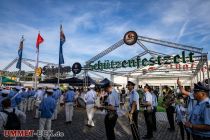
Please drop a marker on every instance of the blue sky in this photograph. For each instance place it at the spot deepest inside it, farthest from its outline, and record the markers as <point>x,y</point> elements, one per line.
<point>94,25</point>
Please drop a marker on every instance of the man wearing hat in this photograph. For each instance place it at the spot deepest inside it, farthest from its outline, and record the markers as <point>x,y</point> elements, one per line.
<point>191,100</point>
<point>111,116</point>
<point>56,96</point>
<point>14,96</point>
<point>199,117</point>
<point>69,104</point>
<point>31,94</point>
<point>47,108</point>
<point>134,106</point>
<point>90,98</point>
<point>148,109</point>
<point>39,95</point>
<point>23,103</point>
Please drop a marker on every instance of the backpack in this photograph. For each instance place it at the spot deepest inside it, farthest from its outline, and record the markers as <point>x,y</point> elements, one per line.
<point>13,122</point>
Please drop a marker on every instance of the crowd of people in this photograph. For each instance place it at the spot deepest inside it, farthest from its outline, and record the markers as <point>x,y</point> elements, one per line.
<point>192,108</point>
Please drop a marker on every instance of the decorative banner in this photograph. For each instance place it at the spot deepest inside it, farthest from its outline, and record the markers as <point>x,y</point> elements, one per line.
<point>50,71</point>
<point>76,68</point>
<point>138,62</point>
<point>14,73</point>
<point>130,38</point>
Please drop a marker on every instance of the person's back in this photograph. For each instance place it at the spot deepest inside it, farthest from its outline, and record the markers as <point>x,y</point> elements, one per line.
<point>90,97</point>
<point>39,95</point>
<point>5,123</point>
<point>47,107</point>
<point>70,95</point>
<point>116,98</point>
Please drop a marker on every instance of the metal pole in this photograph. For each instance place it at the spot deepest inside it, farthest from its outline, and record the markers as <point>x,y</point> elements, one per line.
<point>208,72</point>
<point>200,76</point>
<point>197,78</point>
<point>37,64</point>
<point>19,72</point>
<point>203,76</point>
<point>59,66</point>
<point>202,69</point>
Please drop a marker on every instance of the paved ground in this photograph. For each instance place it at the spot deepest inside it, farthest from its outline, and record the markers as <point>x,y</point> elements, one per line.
<point>79,131</point>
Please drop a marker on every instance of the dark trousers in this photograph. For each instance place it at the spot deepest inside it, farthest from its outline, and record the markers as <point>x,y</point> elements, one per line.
<point>135,120</point>
<point>170,116</point>
<point>182,129</point>
<point>110,122</point>
<point>148,120</point>
<point>154,118</point>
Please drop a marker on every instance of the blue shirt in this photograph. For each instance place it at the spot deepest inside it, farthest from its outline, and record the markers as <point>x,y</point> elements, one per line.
<point>18,98</point>
<point>31,93</point>
<point>90,97</point>
<point>12,93</point>
<point>13,102</point>
<point>180,113</point>
<point>134,97</point>
<point>24,94</point>
<point>154,100</point>
<point>201,115</point>
<point>113,99</point>
<point>56,94</point>
<point>70,96</point>
<point>47,107</point>
<point>191,102</point>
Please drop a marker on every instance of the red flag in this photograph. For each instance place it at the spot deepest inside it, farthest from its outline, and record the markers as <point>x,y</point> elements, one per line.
<point>39,40</point>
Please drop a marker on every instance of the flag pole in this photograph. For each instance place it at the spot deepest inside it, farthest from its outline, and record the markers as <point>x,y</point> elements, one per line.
<point>38,42</point>
<point>58,84</point>
<point>59,75</point>
<point>60,60</point>
<point>37,64</point>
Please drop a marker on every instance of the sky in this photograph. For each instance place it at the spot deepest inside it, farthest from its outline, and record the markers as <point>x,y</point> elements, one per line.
<point>91,26</point>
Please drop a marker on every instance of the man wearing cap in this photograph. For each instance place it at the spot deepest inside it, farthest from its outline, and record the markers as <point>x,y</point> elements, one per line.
<point>31,94</point>
<point>47,108</point>
<point>191,100</point>
<point>56,96</point>
<point>199,118</point>
<point>39,95</point>
<point>111,116</point>
<point>154,105</point>
<point>90,98</point>
<point>134,105</point>
<point>148,108</point>
<point>169,102</point>
<point>23,103</point>
<point>12,92</point>
<point>69,104</point>
<point>14,97</point>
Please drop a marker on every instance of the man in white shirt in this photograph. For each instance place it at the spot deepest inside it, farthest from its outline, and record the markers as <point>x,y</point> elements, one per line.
<point>90,98</point>
<point>39,95</point>
<point>134,107</point>
<point>154,105</point>
<point>147,104</point>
